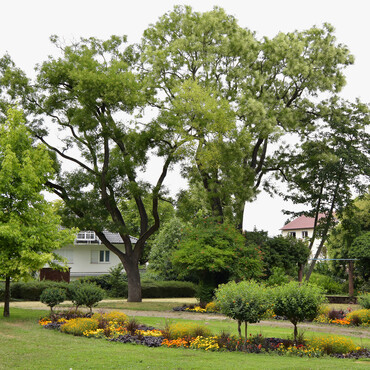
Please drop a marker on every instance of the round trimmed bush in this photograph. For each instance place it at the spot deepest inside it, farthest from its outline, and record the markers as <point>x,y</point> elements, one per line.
<point>86,294</point>
<point>298,302</point>
<point>52,297</point>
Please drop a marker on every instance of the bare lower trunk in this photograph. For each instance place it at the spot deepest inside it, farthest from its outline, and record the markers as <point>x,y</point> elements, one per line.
<point>300,272</point>
<point>239,329</point>
<point>246,333</point>
<point>7,297</point>
<point>295,333</point>
<point>134,283</point>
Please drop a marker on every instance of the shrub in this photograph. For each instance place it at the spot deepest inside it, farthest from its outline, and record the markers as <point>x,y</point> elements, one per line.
<point>86,294</point>
<point>298,302</point>
<point>52,297</point>
<point>246,302</point>
<point>79,326</point>
<point>104,281</point>
<point>278,277</point>
<point>118,281</point>
<point>333,344</point>
<point>180,330</point>
<point>132,325</point>
<point>212,307</point>
<point>118,317</point>
<point>364,301</point>
<point>336,314</point>
<point>359,317</point>
<point>327,283</point>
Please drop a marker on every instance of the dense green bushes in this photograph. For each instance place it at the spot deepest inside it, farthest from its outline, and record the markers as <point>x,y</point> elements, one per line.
<point>31,291</point>
<point>328,284</point>
<point>168,289</point>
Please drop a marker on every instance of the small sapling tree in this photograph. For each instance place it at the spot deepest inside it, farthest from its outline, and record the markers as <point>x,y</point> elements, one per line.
<point>246,302</point>
<point>297,302</point>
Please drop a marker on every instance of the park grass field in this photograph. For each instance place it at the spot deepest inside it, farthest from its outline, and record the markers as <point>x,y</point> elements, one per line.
<point>26,345</point>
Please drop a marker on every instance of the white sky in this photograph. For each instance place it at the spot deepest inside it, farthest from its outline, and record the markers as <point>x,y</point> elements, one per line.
<point>25,28</point>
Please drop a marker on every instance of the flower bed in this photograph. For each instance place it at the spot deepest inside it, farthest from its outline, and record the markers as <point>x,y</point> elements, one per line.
<point>344,317</point>
<point>117,327</point>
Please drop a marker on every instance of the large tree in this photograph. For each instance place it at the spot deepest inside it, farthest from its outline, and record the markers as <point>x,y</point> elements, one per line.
<point>29,228</point>
<point>331,163</point>
<point>232,95</point>
<point>92,96</point>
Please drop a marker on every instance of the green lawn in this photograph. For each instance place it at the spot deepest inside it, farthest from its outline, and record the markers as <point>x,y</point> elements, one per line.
<point>26,345</point>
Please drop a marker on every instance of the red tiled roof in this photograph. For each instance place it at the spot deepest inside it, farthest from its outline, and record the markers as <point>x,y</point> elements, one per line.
<point>302,222</point>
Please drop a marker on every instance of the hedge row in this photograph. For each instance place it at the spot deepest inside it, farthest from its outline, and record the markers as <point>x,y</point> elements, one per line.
<point>31,291</point>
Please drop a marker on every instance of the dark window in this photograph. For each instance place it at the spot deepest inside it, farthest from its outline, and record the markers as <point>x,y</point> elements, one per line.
<point>103,256</point>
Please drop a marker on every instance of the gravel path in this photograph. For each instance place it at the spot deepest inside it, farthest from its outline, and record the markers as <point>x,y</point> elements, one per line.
<point>358,332</point>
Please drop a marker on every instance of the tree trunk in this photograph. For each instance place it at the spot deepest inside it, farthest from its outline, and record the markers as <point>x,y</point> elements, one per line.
<point>245,333</point>
<point>239,329</point>
<point>300,272</point>
<point>350,279</point>
<point>7,297</point>
<point>295,333</point>
<point>133,280</point>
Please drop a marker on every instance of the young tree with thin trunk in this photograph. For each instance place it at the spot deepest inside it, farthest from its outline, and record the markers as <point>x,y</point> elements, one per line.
<point>330,164</point>
<point>29,228</point>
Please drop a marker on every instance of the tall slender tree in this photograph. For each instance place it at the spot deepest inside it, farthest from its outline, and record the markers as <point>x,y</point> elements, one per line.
<point>330,165</point>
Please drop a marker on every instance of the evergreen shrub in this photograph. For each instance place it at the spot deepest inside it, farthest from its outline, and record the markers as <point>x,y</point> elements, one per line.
<point>168,289</point>
<point>86,294</point>
<point>52,297</point>
<point>364,301</point>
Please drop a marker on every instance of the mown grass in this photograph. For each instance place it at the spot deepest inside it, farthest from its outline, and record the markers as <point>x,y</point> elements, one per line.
<point>26,345</point>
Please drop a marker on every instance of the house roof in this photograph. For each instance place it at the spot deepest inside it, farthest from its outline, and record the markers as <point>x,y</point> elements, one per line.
<point>302,222</point>
<point>115,238</point>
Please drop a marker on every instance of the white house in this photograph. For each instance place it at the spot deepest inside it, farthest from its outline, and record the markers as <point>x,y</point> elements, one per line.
<point>302,228</point>
<point>89,257</point>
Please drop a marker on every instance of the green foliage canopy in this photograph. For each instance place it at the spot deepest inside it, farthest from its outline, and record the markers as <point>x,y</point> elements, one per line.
<point>211,248</point>
<point>233,95</point>
<point>165,243</point>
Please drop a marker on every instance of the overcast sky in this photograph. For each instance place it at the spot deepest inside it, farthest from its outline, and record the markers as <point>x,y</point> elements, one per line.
<point>25,28</point>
